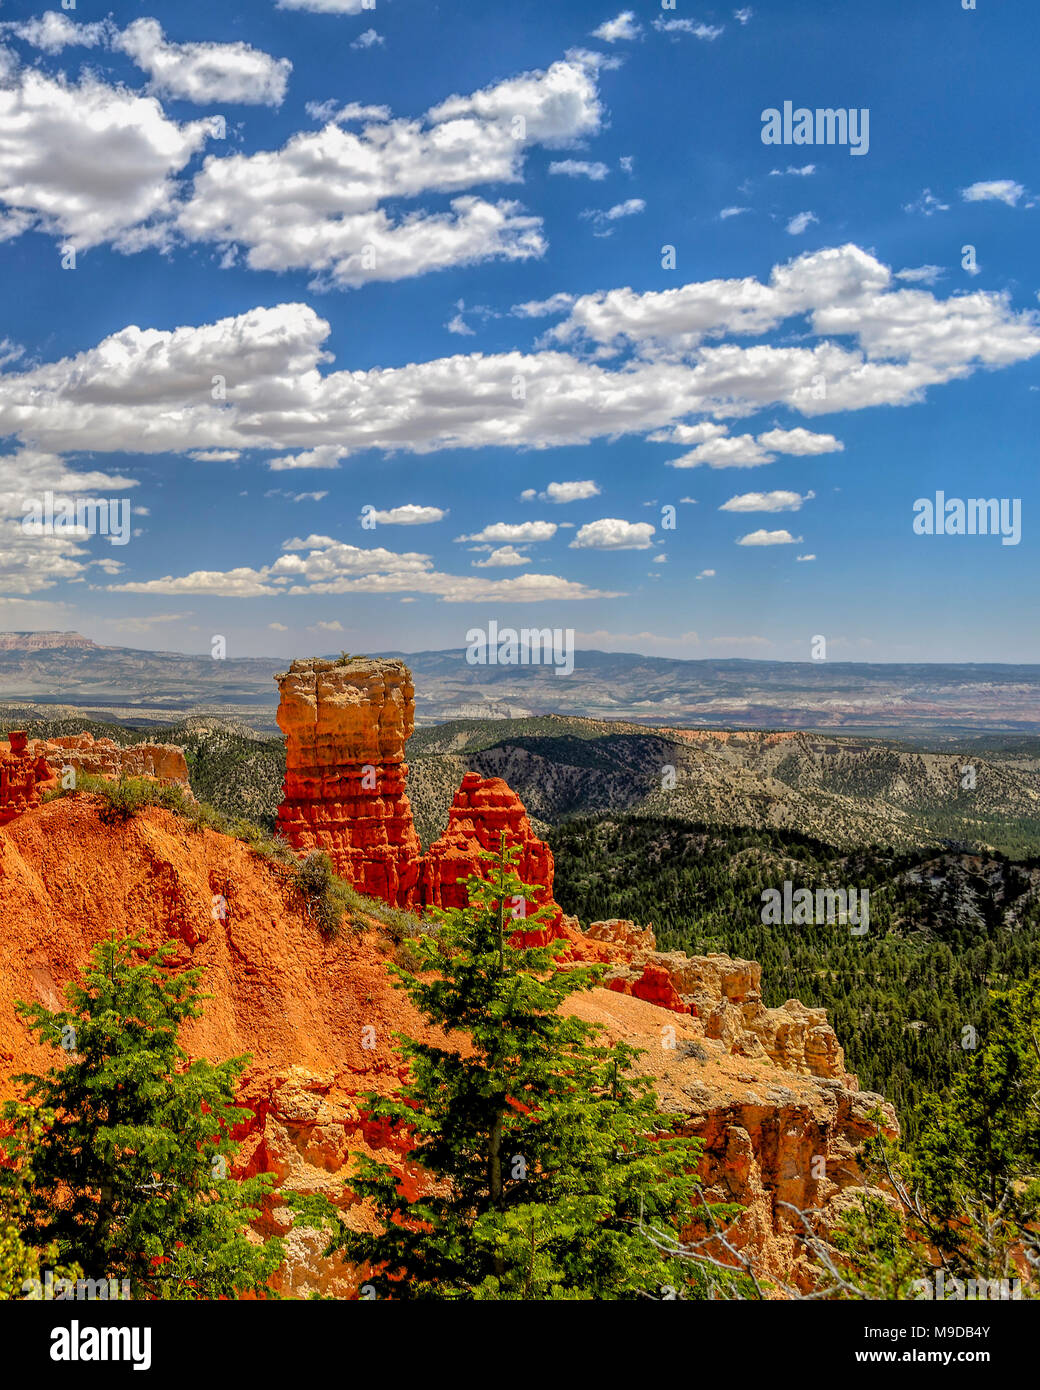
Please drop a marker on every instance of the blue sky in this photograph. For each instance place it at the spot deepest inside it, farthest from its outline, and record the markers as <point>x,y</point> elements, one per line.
<point>416,212</point>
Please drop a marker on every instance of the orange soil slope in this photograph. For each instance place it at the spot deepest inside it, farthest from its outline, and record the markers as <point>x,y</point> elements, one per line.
<point>317,1018</point>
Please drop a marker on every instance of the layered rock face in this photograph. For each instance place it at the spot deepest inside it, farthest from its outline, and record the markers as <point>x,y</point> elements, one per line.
<point>24,777</point>
<point>484,810</point>
<point>346,724</point>
<point>318,1018</point>
<point>102,757</point>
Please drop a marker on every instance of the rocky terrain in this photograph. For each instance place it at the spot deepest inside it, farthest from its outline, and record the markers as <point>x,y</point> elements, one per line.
<point>767,1089</point>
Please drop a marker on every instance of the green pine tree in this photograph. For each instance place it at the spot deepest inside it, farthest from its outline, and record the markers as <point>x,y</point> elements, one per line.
<point>129,1144</point>
<point>21,1265</point>
<point>547,1163</point>
<point>965,1201</point>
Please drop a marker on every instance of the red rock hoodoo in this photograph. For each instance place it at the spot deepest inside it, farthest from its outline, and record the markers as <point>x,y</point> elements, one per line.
<point>346,724</point>
<point>24,777</point>
<point>484,809</point>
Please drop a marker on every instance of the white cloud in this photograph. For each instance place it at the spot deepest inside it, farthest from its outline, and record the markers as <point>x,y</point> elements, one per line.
<point>601,216</point>
<point>803,171</point>
<point>744,15</point>
<point>769,538</point>
<point>215,455</point>
<point>407,515</point>
<point>514,531</point>
<point>800,442</point>
<point>726,213</point>
<point>705,574</point>
<point>369,39</point>
<point>921,275</point>
<point>503,556</point>
<point>278,627</point>
<point>54,31</point>
<point>323,6</point>
<point>766,502</point>
<point>205,72</point>
<point>579,168</point>
<point>729,451</point>
<point>708,32</point>
<point>994,191</point>
<point>612,534</point>
<point>324,456</point>
<point>541,308</point>
<point>927,204</point>
<point>459,325</point>
<point>563,492</point>
<point>805,557</point>
<point>334,626</point>
<point>316,203</point>
<point>90,162</point>
<point>800,222</point>
<point>154,386</point>
<point>623,27</point>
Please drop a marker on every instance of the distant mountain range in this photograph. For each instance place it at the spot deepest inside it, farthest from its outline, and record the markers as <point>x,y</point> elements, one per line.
<point>47,671</point>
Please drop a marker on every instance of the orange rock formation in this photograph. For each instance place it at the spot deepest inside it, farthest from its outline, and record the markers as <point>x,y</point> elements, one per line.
<point>103,757</point>
<point>485,809</point>
<point>302,1005</point>
<point>346,724</point>
<point>24,777</point>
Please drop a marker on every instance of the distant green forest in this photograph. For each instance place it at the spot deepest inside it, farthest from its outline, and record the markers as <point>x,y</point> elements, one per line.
<point>945,928</point>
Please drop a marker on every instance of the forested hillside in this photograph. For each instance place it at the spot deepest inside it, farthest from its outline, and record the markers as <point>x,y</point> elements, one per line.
<point>944,929</point>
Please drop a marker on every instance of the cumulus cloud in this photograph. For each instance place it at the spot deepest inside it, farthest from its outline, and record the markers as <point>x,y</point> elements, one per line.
<point>407,515</point>
<point>205,72</point>
<point>769,538</point>
<point>503,556</point>
<point>324,456</point>
<point>90,162</point>
<point>994,191</point>
<point>150,390</point>
<point>727,213</point>
<point>612,534</point>
<point>563,492</point>
<point>514,531</point>
<point>801,442</point>
<point>779,501</point>
<point>801,558</point>
<point>623,27</point>
<point>317,202</point>
<point>320,565</point>
<point>728,451</point>
<point>53,31</point>
<point>369,39</point>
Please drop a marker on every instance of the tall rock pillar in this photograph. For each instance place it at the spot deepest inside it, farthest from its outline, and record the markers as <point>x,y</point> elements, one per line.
<point>346,724</point>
